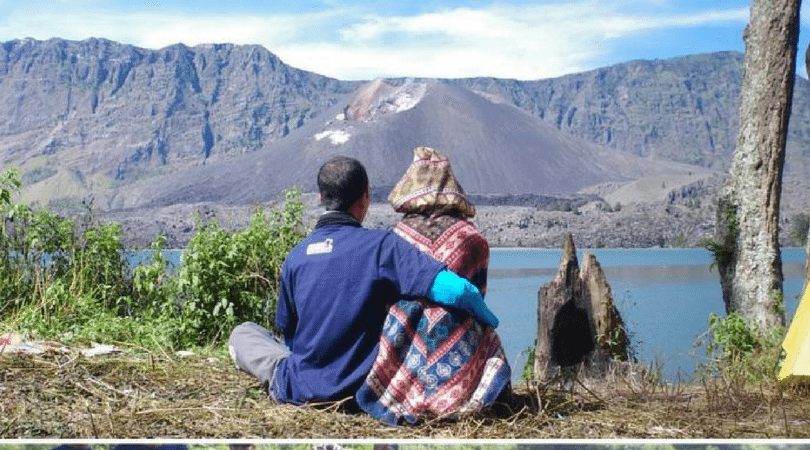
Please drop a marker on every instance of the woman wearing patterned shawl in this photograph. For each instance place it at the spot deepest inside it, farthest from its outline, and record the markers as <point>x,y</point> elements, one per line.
<point>432,360</point>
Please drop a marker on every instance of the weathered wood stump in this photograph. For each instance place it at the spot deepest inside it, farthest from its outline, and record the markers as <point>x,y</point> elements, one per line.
<point>577,322</point>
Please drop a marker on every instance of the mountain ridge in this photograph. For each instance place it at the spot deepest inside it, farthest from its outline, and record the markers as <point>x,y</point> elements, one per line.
<point>112,112</point>
<point>625,105</point>
<point>96,117</point>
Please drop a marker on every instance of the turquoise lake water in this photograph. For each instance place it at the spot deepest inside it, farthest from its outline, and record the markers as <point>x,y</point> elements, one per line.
<point>665,297</point>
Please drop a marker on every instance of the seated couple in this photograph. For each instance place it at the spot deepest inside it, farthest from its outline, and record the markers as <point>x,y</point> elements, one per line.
<point>396,319</point>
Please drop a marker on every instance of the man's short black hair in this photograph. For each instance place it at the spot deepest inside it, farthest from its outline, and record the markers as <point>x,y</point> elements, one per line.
<point>341,181</point>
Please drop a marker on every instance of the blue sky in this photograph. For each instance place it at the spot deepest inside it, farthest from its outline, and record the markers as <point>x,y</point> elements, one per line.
<point>350,39</point>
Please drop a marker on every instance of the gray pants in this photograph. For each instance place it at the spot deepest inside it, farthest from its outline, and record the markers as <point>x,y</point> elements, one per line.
<point>257,351</point>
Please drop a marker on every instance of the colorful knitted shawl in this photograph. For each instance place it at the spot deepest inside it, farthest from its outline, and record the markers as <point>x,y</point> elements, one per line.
<point>435,361</point>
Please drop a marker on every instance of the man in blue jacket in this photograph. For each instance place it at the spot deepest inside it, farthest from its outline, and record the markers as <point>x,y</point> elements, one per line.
<point>336,287</point>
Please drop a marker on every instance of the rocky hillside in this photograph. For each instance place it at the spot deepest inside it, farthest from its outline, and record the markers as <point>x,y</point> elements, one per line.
<point>685,109</point>
<point>129,127</point>
<point>89,116</point>
<point>83,116</point>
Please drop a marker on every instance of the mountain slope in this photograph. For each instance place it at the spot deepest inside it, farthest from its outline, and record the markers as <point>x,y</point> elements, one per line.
<point>685,108</point>
<point>494,148</point>
<point>99,117</point>
<point>82,116</point>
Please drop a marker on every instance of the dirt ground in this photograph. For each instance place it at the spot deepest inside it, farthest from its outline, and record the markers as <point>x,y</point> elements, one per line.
<point>63,394</point>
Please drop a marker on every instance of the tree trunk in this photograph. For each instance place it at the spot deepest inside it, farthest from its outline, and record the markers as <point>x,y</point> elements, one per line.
<point>807,240</point>
<point>577,322</point>
<point>747,253</point>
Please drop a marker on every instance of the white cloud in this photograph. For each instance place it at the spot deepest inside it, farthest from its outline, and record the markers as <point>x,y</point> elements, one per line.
<point>513,42</point>
<point>624,25</point>
<point>158,29</point>
<point>525,42</point>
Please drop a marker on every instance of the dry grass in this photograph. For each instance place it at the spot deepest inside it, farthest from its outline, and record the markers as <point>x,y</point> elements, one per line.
<point>64,395</point>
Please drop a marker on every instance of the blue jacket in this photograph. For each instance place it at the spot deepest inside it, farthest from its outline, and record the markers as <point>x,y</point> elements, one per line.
<point>336,287</point>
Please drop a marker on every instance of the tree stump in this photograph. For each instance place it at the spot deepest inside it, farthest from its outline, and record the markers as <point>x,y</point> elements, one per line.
<point>577,322</point>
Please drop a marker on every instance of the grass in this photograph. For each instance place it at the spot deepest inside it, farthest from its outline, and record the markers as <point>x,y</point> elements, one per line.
<point>135,394</point>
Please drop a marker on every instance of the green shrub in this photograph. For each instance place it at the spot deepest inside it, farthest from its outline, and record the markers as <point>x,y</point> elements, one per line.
<point>36,248</point>
<point>528,368</point>
<point>731,336</point>
<point>72,282</point>
<point>739,350</point>
<point>57,278</point>
<point>227,278</point>
<point>152,286</point>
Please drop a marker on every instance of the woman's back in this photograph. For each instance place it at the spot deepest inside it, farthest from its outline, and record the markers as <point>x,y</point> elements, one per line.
<point>431,360</point>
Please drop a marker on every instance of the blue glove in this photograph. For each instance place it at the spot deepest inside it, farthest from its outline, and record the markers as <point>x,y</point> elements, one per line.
<point>451,290</point>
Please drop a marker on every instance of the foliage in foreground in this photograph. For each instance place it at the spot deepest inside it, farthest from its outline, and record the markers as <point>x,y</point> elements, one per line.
<point>70,279</point>
<point>742,354</point>
<point>227,278</point>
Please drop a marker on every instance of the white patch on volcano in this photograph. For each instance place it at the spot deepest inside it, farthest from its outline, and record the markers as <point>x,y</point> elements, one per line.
<point>337,137</point>
<point>404,98</point>
<point>379,98</point>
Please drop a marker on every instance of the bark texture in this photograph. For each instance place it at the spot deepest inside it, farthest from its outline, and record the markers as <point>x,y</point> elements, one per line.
<point>577,321</point>
<point>748,255</point>
<point>807,243</point>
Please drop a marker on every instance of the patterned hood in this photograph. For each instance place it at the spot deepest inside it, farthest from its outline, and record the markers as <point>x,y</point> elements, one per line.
<point>430,188</point>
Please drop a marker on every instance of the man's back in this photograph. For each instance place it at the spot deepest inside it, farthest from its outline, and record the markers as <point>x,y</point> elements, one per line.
<point>336,287</point>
